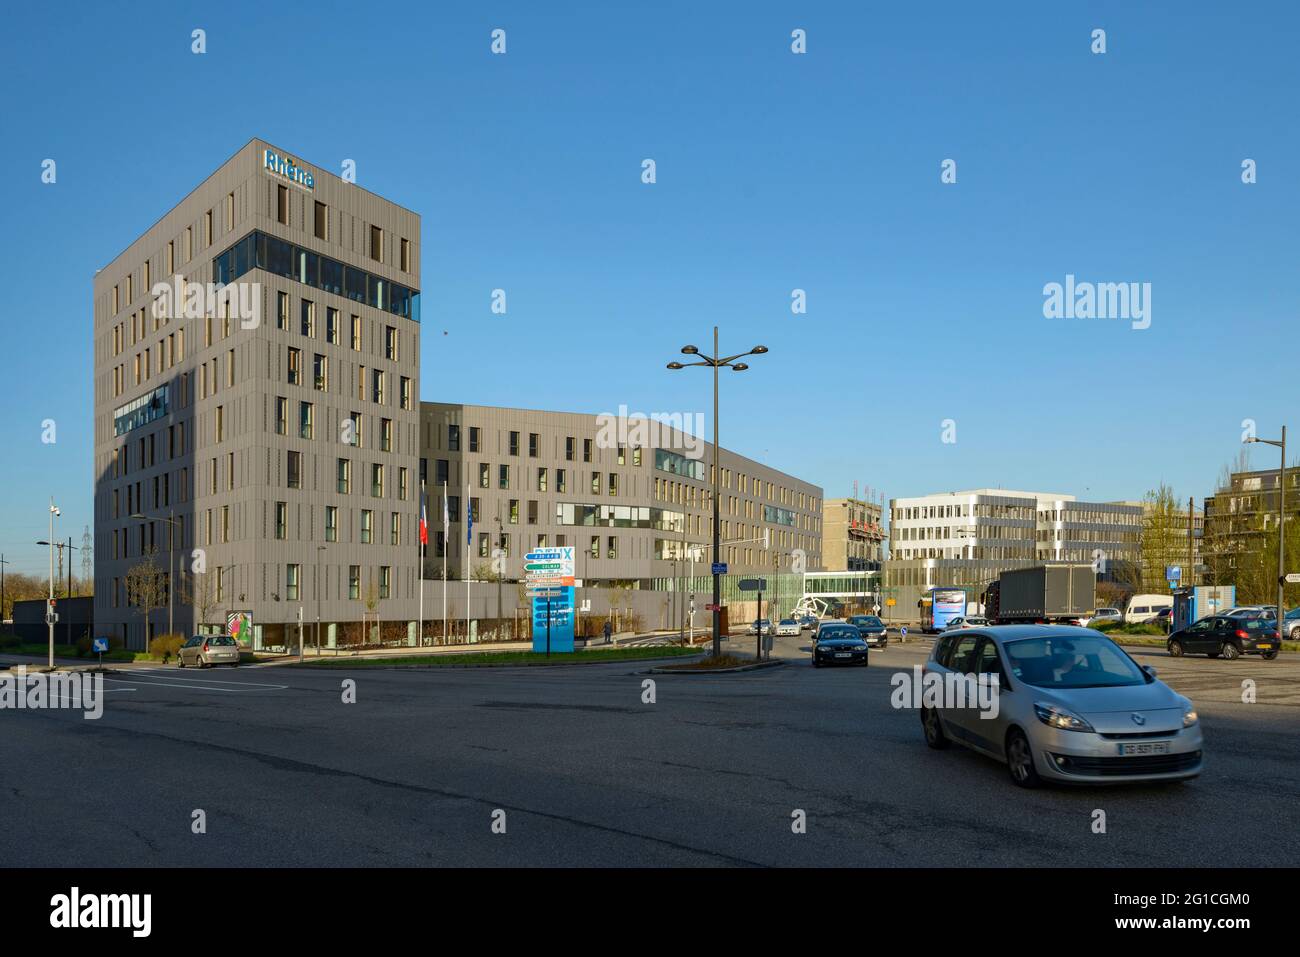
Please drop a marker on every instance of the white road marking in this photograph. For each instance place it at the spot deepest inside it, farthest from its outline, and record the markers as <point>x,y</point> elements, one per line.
<point>199,684</point>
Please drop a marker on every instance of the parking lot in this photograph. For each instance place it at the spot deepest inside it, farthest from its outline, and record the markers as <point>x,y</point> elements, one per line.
<point>587,772</point>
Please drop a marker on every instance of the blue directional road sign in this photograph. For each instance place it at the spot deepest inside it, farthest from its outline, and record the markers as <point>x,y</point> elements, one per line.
<point>99,644</point>
<point>719,568</point>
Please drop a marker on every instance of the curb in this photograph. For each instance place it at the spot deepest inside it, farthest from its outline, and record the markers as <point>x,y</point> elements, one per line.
<point>773,663</point>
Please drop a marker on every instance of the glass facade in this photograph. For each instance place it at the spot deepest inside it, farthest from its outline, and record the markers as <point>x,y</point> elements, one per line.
<point>676,464</point>
<point>260,251</point>
<point>141,411</point>
<point>620,516</point>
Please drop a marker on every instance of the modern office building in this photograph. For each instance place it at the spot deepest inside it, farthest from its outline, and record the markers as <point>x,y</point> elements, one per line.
<point>261,438</point>
<point>633,499</point>
<point>967,539</point>
<point>853,535</point>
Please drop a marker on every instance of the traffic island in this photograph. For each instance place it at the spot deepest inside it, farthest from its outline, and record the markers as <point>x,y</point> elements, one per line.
<point>506,659</point>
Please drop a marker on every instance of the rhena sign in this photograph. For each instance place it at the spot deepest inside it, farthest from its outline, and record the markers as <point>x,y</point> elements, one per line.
<point>286,167</point>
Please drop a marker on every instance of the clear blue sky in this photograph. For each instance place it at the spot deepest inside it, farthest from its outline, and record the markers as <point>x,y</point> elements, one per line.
<point>775,172</point>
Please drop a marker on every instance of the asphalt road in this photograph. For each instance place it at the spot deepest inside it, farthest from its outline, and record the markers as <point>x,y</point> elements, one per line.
<point>588,774</point>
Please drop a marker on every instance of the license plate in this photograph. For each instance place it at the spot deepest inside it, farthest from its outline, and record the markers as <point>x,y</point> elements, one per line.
<point>1261,645</point>
<point>843,654</point>
<point>1146,747</point>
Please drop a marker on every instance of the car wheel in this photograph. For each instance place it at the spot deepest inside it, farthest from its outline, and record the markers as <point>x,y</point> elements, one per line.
<point>883,643</point>
<point>202,663</point>
<point>1020,760</point>
<point>934,736</point>
<point>1268,655</point>
<point>816,663</point>
<point>180,661</point>
<point>1230,651</point>
<point>1175,649</point>
<point>1295,633</point>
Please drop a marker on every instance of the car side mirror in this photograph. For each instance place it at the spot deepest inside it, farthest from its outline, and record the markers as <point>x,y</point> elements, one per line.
<point>1150,670</point>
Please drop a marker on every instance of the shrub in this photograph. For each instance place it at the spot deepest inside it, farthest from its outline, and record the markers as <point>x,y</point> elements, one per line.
<point>165,646</point>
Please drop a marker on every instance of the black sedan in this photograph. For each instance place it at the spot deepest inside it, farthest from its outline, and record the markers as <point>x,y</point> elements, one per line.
<point>871,628</point>
<point>839,644</point>
<point>1226,636</point>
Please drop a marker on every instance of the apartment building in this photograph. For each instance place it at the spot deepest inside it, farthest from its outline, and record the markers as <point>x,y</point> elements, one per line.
<point>1241,515</point>
<point>256,374</point>
<point>853,534</point>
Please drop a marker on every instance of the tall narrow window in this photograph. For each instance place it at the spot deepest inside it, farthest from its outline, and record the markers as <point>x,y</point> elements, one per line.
<point>282,205</point>
<point>322,220</point>
<point>406,255</point>
<point>376,244</point>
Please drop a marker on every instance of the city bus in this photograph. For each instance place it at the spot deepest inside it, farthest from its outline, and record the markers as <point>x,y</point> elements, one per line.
<point>939,606</point>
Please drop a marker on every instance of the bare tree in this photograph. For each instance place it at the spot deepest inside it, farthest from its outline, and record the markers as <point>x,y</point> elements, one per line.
<point>146,588</point>
<point>201,595</point>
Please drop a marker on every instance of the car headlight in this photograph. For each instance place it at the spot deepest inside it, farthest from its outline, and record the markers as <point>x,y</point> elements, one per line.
<point>1062,718</point>
<point>1190,717</point>
<point>860,648</point>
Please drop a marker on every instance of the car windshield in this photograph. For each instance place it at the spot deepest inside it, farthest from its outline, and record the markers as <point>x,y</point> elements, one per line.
<point>1072,662</point>
<point>788,621</point>
<point>221,640</point>
<point>839,632</point>
<point>867,621</point>
<point>1254,624</point>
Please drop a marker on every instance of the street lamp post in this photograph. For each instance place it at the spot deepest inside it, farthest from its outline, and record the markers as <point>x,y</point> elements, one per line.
<point>319,549</point>
<point>171,552</point>
<point>3,563</point>
<point>1281,528</point>
<point>716,362</point>
<point>500,569</point>
<point>49,608</point>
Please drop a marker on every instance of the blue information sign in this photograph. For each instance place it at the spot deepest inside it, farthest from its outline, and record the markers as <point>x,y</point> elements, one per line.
<point>719,568</point>
<point>99,644</point>
<point>561,621</point>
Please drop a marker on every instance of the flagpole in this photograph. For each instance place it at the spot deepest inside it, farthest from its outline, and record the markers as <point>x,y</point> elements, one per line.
<point>446,553</point>
<point>424,534</point>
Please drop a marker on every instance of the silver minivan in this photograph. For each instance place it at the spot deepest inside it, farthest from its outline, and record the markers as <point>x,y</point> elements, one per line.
<point>204,650</point>
<point>1071,706</point>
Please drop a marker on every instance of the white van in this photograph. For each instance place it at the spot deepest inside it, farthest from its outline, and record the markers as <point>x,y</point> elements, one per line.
<point>1145,607</point>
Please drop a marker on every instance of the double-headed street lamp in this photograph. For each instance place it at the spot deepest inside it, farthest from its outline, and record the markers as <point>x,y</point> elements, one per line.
<point>1281,528</point>
<point>716,362</point>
